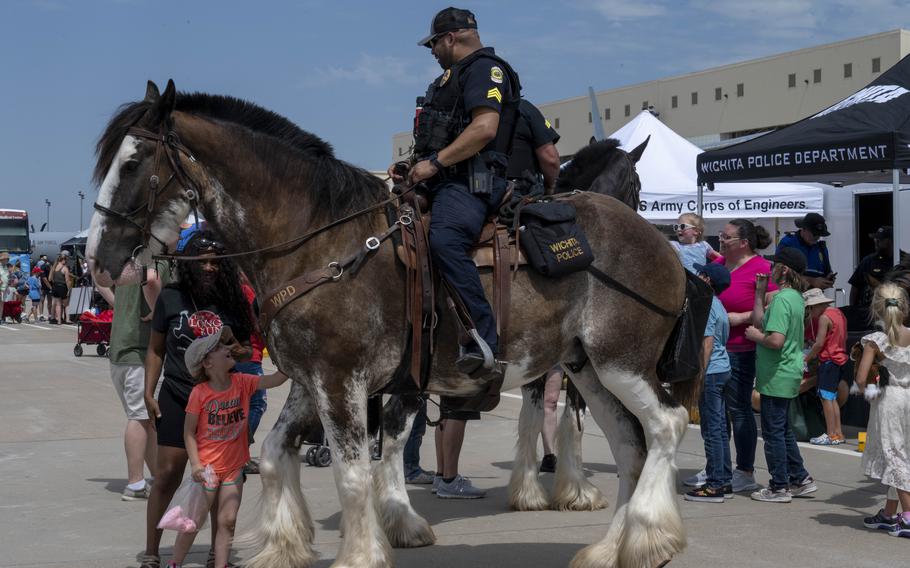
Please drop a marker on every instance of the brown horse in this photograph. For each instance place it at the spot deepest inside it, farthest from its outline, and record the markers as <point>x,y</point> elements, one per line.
<point>260,180</point>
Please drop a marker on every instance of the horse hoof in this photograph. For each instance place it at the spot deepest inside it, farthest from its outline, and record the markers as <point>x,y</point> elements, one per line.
<point>582,497</point>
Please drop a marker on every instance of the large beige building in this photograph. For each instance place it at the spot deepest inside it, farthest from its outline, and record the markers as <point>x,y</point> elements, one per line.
<point>726,102</point>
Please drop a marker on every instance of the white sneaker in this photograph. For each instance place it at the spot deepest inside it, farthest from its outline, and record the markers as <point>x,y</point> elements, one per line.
<point>769,495</point>
<point>743,481</point>
<point>697,480</point>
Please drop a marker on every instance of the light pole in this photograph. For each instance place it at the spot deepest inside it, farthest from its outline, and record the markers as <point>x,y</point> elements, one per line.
<point>47,223</point>
<point>81,199</point>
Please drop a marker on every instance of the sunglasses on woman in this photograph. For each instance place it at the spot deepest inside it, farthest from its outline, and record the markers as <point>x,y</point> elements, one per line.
<point>726,238</point>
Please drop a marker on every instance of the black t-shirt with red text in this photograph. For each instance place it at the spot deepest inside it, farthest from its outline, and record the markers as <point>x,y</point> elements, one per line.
<point>182,320</point>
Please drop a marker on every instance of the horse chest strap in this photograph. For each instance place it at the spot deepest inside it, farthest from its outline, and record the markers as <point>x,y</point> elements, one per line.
<point>280,297</point>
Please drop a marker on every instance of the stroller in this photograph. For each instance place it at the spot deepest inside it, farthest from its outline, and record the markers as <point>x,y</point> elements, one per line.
<point>94,327</point>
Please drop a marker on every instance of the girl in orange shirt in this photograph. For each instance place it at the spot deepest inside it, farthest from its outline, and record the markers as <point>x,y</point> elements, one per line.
<point>216,434</point>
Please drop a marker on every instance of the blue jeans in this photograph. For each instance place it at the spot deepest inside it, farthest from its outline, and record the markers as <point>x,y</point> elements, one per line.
<point>259,400</point>
<point>739,405</point>
<point>713,414</point>
<point>785,464</point>
<point>412,446</point>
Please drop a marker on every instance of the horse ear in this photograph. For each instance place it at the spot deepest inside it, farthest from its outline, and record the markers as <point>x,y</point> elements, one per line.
<point>592,140</point>
<point>151,93</point>
<point>169,98</point>
<point>639,150</point>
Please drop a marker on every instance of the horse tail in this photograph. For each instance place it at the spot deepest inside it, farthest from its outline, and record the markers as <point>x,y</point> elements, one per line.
<point>681,363</point>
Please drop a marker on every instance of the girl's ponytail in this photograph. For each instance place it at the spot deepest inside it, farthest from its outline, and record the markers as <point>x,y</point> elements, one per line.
<point>890,306</point>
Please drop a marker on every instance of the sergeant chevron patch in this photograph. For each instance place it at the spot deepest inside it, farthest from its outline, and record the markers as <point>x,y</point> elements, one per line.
<point>494,94</point>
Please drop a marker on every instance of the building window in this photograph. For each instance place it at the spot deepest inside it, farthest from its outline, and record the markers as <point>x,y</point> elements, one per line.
<point>590,118</point>
<point>695,98</point>
<point>556,123</point>
<point>848,70</point>
<point>674,101</point>
<point>399,151</point>
<point>644,105</point>
<point>816,75</point>
<point>740,89</point>
<point>791,80</point>
<point>877,65</point>
<point>718,94</point>
<point>628,110</point>
<point>607,114</point>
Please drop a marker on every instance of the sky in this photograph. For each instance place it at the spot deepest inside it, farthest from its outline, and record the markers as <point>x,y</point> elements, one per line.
<point>347,71</point>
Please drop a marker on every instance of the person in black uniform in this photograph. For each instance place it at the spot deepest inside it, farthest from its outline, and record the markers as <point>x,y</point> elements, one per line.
<point>534,156</point>
<point>874,265</point>
<point>462,140</point>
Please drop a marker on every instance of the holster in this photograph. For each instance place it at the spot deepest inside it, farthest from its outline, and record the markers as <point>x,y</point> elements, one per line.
<point>480,178</point>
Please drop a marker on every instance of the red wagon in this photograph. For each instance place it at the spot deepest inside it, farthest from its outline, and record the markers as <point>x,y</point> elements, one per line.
<point>13,310</point>
<point>92,331</point>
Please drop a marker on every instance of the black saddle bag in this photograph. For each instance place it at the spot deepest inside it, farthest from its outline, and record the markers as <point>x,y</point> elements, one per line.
<point>553,242</point>
<point>682,356</point>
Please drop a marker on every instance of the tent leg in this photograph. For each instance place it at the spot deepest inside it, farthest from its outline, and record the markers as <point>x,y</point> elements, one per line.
<point>896,222</point>
<point>701,201</point>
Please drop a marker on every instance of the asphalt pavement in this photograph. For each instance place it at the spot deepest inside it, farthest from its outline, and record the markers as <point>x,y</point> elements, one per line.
<point>62,469</point>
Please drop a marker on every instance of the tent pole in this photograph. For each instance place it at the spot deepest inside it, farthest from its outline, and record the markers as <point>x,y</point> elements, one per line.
<point>896,205</point>
<point>701,199</point>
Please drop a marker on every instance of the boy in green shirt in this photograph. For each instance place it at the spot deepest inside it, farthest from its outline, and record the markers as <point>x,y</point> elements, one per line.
<point>778,373</point>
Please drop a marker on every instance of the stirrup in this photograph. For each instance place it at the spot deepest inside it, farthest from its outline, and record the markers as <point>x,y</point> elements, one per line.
<point>488,359</point>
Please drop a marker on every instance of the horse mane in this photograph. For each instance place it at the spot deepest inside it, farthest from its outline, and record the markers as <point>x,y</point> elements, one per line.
<point>337,186</point>
<point>587,164</point>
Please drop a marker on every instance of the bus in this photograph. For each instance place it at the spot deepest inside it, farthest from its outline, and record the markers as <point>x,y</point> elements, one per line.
<point>14,236</point>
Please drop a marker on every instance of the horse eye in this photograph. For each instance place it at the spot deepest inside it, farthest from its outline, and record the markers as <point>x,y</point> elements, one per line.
<point>131,165</point>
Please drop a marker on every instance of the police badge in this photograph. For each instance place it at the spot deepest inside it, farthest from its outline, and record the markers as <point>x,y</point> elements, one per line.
<point>496,75</point>
<point>445,77</point>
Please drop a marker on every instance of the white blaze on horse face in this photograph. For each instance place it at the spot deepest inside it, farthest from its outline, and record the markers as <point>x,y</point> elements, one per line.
<point>111,183</point>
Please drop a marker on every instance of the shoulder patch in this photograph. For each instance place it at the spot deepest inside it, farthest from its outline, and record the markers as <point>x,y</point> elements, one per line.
<point>496,74</point>
<point>445,77</point>
<point>495,94</point>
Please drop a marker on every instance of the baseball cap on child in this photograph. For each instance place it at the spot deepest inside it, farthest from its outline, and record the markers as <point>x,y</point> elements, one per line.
<point>198,349</point>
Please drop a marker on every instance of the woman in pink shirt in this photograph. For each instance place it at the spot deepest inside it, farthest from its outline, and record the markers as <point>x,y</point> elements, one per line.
<point>738,242</point>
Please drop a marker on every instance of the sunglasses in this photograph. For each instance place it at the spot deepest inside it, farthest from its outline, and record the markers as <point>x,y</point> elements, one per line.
<point>725,237</point>
<point>435,39</point>
<point>205,244</point>
<point>682,227</point>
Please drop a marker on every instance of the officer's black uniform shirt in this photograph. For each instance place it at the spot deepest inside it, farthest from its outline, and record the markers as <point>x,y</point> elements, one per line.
<point>484,84</point>
<point>531,132</point>
<point>874,265</point>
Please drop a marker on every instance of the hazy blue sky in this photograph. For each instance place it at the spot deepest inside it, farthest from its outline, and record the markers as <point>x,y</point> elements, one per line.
<point>347,71</point>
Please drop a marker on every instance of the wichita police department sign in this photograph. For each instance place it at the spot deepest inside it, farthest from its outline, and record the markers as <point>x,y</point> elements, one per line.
<point>869,131</point>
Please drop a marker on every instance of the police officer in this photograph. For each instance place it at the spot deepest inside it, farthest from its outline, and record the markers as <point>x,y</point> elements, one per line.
<point>808,241</point>
<point>462,139</point>
<point>873,266</point>
<point>534,156</point>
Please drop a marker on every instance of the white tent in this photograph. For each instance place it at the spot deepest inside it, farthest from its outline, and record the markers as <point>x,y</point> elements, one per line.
<point>669,187</point>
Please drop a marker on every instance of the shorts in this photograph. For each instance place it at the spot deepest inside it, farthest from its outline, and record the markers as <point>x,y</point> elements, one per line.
<point>60,291</point>
<point>830,374</point>
<point>129,382</point>
<point>446,412</point>
<point>231,478</point>
<point>173,414</point>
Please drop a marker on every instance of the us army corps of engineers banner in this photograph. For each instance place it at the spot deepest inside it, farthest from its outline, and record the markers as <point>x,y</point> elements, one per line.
<point>740,200</point>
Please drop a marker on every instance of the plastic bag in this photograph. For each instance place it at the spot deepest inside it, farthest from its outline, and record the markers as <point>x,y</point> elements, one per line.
<point>188,511</point>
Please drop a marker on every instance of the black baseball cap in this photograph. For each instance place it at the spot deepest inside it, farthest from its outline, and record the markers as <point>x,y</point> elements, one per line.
<point>718,273</point>
<point>792,258</point>
<point>883,232</point>
<point>814,223</point>
<point>449,20</point>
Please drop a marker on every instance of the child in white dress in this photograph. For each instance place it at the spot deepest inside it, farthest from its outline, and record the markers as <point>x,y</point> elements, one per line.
<point>887,453</point>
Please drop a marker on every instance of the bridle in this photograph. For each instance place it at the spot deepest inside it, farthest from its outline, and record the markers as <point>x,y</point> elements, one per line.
<point>167,143</point>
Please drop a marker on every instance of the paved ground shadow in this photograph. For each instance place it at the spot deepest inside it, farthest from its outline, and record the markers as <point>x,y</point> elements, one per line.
<point>512,555</point>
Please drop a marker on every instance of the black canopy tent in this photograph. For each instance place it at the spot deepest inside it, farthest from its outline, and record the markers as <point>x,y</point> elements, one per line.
<point>864,138</point>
